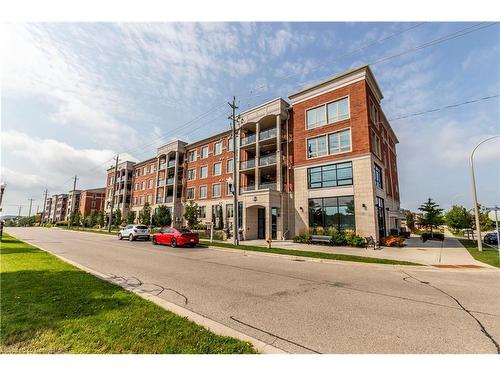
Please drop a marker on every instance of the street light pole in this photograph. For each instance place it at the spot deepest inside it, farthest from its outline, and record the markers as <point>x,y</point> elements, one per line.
<point>474,192</point>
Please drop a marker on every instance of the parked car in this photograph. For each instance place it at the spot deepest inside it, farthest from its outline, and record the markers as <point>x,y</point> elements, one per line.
<point>176,237</point>
<point>491,239</point>
<point>134,232</point>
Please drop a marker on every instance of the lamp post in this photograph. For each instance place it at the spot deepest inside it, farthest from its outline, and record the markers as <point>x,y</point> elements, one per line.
<point>474,192</point>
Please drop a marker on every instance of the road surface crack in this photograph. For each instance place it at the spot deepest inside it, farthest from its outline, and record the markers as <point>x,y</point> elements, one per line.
<point>483,328</point>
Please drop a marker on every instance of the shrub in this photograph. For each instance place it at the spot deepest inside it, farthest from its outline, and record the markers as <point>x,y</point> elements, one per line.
<point>435,236</point>
<point>352,239</point>
<point>302,238</point>
<point>393,241</point>
<point>61,224</point>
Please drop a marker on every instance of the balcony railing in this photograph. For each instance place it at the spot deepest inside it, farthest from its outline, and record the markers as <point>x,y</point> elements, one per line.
<point>169,199</point>
<point>170,181</point>
<point>266,134</point>
<point>161,183</point>
<point>171,163</point>
<point>247,164</point>
<point>267,185</point>
<point>244,189</point>
<point>247,140</point>
<point>267,160</point>
<point>162,166</point>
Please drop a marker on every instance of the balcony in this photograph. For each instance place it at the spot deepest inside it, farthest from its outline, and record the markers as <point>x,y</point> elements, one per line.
<point>247,140</point>
<point>169,199</point>
<point>162,166</point>
<point>248,164</point>
<point>161,183</point>
<point>267,185</point>
<point>267,134</point>
<point>171,164</point>
<point>244,189</point>
<point>170,181</point>
<point>267,160</point>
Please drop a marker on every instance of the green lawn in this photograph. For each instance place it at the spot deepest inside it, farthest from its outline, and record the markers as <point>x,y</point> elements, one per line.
<point>489,255</point>
<point>49,306</point>
<point>309,254</point>
<point>113,232</point>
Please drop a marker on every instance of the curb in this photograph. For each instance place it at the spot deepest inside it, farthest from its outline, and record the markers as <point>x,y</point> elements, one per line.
<point>211,325</point>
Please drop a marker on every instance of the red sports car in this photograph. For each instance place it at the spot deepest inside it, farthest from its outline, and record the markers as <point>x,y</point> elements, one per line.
<point>176,237</point>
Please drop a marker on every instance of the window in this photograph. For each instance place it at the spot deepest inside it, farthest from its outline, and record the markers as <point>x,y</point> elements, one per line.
<point>229,211</point>
<point>151,168</point>
<point>190,193</point>
<point>192,155</point>
<point>92,205</point>
<point>339,142</point>
<point>142,200</point>
<point>218,148</point>
<point>217,169</point>
<point>144,171</point>
<point>337,110</point>
<point>327,114</point>
<point>202,212</point>
<point>135,200</point>
<point>216,190</point>
<point>204,152</point>
<point>317,147</point>
<point>204,172</point>
<point>375,144</point>
<point>378,176</point>
<point>203,192</point>
<point>136,186</point>
<point>334,212</point>
<point>191,174</point>
<point>330,175</point>
<point>230,144</point>
<point>374,113</point>
<point>229,188</point>
<point>150,184</point>
<point>143,185</point>
<point>148,199</point>
<point>316,117</point>
<point>229,166</point>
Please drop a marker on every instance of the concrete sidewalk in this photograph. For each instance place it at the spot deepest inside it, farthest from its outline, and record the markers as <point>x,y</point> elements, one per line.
<point>447,252</point>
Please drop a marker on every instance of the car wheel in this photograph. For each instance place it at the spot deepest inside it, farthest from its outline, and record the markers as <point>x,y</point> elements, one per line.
<point>173,243</point>
<point>130,237</point>
<point>120,236</point>
<point>154,241</point>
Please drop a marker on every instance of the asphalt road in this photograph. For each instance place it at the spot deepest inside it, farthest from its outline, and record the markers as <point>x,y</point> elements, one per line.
<point>303,307</point>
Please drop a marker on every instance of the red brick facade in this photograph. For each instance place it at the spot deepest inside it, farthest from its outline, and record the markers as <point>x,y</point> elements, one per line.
<point>92,200</point>
<point>144,183</point>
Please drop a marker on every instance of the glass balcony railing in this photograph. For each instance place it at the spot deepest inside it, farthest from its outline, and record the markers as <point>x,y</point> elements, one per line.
<point>244,189</point>
<point>169,199</point>
<point>267,185</point>
<point>161,183</point>
<point>266,134</point>
<point>162,166</point>
<point>247,140</point>
<point>170,181</point>
<point>247,164</point>
<point>171,163</point>
<point>267,160</point>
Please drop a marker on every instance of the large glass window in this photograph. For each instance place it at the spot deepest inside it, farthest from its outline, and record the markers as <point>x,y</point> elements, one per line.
<point>229,211</point>
<point>333,212</point>
<point>202,212</point>
<point>204,172</point>
<point>317,147</point>
<point>338,110</point>
<point>229,166</point>
<point>216,190</point>
<point>218,148</point>
<point>190,193</point>
<point>203,192</point>
<point>217,169</point>
<point>330,175</point>
<point>204,152</point>
<point>340,141</point>
<point>192,155</point>
<point>378,176</point>
<point>316,117</point>
<point>191,175</point>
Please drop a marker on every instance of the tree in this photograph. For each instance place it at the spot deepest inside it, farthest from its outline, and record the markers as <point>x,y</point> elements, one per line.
<point>191,214</point>
<point>485,222</point>
<point>410,220</point>
<point>93,218</point>
<point>130,217</point>
<point>145,214</point>
<point>162,216</point>
<point>432,215</point>
<point>75,218</point>
<point>117,217</point>
<point>27,221</point>
<point>220,218</point>
<point>100,218</point>
<point>458,217</point>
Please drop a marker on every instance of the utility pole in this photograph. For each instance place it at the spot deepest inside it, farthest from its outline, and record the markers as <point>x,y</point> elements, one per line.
<point>113,195</point>
<point>31,202</point>
<point>236,231</point>
<point>42,219</point>
<point>72,201</point>
<point>19,213</point>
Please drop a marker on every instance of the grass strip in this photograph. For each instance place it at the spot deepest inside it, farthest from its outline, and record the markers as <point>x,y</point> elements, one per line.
<point>49,306</point>
<point>310,254</point>
<point>489,255</point>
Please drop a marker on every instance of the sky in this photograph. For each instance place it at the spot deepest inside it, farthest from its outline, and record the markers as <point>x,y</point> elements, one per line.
<point>75,94</point>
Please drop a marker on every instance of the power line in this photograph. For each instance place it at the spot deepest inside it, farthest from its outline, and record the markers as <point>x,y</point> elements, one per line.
<point>400,117</point>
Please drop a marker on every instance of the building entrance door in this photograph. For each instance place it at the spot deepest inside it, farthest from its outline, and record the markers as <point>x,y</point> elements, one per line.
<point>261,223</point>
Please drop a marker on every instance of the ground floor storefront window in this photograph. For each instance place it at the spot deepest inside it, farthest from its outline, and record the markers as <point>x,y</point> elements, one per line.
<point>332,212</point>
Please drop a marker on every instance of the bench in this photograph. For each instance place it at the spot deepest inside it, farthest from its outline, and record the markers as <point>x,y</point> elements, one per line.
<point>323,239</point>
<point>371,242</point>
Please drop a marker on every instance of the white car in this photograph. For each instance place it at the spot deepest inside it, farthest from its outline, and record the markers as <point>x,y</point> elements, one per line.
<point>133,232</point>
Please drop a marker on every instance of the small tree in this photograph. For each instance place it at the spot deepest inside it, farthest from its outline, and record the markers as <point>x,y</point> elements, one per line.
<point>458,217</point>
<point>410,220</point>
<point>93,218</point>
<point>220,218</point>
<point>432,215</point>
<point>145,214</point>
<point>130,217</point>
<point>191,214</point>
<point>162,216</point>
<point>100,218</point>
<point>117,217</point>
<point>484,220</point>
<point>75,218</point>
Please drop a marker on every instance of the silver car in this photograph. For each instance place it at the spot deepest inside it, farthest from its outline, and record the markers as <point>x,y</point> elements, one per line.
<point>133,232</point>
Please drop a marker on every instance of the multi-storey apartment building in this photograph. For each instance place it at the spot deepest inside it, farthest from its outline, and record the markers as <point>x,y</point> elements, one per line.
<point>208,174</point>
<point>328,159</point>
<point>91,200</point>
<point>48,210</point>
<point>119,188</point>
<point>73,204</point>
<point>345,173</point>
<point>59,206</point>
